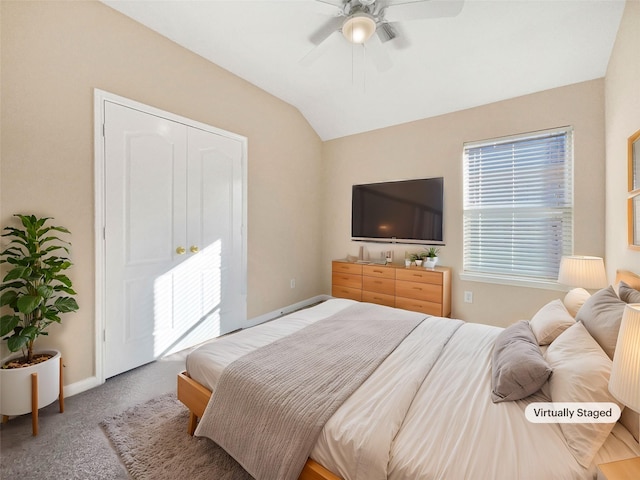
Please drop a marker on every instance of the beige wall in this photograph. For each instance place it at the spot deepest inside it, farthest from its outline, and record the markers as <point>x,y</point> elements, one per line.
<point>433,147</point>
<point>53,55</point>
<point>622,93</point>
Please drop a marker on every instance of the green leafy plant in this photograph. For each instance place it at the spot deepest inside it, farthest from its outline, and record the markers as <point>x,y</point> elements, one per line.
<point>432,252</point>
<point>35,287</point>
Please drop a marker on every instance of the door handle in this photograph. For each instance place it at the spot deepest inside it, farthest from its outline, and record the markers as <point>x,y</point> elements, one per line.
<point>181,250</point>
<point>194,249</point>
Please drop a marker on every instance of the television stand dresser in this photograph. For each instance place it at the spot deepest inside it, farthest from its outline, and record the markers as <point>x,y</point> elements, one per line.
<point>411,288</point>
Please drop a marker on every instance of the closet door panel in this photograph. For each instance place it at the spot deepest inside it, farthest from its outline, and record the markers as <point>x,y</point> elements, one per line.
<point>151,170</point>
<point>173,236</point>
<point>212,183</point>
<point>145,221</point>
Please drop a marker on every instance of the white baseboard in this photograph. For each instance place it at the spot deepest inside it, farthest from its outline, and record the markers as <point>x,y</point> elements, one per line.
<point>285,310</point>
<point>81,386</point>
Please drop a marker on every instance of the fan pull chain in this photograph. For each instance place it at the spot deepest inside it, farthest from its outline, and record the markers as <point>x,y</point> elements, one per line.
<point>360,65</point>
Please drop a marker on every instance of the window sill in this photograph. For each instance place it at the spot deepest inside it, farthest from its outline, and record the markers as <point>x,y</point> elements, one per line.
<point>512,281</point>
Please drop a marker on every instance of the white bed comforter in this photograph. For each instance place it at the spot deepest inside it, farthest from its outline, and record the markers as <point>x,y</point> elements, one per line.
<point>426,412</point>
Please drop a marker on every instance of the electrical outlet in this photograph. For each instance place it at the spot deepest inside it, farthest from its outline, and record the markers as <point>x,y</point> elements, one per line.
<point>468,297</point>
<point>293,283</point>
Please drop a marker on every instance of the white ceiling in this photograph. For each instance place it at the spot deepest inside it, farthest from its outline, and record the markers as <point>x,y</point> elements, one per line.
<point>491,51</point>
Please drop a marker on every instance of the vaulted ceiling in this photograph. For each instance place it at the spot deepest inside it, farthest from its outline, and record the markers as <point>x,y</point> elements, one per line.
<point>490,51</point>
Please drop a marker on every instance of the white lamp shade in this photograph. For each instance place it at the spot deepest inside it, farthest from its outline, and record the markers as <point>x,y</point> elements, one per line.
<point>580,271</point>
<point>359,27</point>
<point>624,383</point>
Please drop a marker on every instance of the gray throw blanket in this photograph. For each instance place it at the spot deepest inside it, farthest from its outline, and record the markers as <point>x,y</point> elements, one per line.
<point>270,405</point>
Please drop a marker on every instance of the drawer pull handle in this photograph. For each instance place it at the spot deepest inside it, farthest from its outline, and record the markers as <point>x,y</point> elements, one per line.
<point>417,288</point>
<point>378,271</point>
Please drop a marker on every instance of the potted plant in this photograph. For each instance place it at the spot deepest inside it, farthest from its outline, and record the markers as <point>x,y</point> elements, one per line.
<point>36,291</point>
<point>415,257</point>
<point>431,257</point>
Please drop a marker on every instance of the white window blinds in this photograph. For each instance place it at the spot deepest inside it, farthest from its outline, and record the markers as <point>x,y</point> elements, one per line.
<point>518,205</point>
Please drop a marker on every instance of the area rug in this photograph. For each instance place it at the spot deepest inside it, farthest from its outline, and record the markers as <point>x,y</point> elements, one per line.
<point>152,441</point>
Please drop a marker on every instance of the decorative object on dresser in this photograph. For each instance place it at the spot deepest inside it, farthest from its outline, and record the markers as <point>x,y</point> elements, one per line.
<point>430,257</point>
<point>413,288</point>
<point>37,291</point>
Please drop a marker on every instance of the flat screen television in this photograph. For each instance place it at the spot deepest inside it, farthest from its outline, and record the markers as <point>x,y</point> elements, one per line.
<point>408,211</point>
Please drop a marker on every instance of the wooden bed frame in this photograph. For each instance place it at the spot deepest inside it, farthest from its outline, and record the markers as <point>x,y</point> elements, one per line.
<point>630,278</point>
<point>196,397</point>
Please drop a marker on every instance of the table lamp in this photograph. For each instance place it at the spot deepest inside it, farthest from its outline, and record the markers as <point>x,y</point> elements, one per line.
<point>582,271</point>
<point>624,383</point>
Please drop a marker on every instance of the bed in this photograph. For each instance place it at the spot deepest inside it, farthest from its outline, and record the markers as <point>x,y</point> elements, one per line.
<point>433,409</point>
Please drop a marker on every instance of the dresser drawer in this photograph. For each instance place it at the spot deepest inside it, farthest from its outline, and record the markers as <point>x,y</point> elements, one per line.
<point>346,292</point>
<point>420,291</point>
<point>346,280</point>
<point>378,271</point>
<point>423,306</point>
<point>379,298</point>
<point>345,267</point>
<point>419,275</point>
<point>379,285</point>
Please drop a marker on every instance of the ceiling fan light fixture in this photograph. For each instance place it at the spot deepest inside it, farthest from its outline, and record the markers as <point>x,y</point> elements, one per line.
<point>359,27</point>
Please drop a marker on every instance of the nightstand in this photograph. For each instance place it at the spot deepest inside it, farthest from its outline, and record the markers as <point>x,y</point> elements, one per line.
<point>622,470</point>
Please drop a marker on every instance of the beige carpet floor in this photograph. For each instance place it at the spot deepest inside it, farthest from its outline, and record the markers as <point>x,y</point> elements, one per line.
<point>152,441</point>
<point>72,445</point>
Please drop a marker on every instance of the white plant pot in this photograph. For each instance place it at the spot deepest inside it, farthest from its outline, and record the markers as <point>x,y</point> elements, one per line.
<point>418,263</point>
<point>15,384</point>
<point>430,262</point>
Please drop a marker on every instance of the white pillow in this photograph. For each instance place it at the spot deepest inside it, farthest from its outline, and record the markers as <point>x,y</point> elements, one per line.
<point>574,299</point>
<point>581,372</point>
<point>550,321</point>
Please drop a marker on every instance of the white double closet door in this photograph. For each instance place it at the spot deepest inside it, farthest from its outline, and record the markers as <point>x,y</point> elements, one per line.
<point>173,227</point>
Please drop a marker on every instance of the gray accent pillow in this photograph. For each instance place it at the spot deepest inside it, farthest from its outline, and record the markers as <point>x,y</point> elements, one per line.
<point>518,367</point>
<point>628,294</point>
<point>601,315</point>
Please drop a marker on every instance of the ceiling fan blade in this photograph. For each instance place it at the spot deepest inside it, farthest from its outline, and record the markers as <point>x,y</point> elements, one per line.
<point>325,31</point>
<point>401,40</point>
<point>398,12</point>
<point>378,53</point>
<point>321,48</point>
<point>386,31</point>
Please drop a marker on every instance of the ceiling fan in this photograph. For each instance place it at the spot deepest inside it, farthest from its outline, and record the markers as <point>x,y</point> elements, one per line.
<point>374,22</point>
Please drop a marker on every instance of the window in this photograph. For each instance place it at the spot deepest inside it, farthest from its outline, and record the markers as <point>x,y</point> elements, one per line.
<point>518,206</point>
